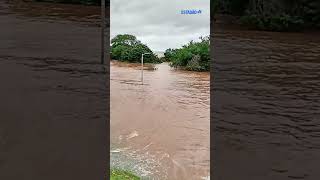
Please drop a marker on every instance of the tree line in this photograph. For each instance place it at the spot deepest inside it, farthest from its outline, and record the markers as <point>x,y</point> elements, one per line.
<point>274,15</point>
<point>86,2</point>
<point>193,56</point>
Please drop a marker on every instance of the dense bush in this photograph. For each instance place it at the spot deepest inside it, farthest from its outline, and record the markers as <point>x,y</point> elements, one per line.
<point>274,23</point>
<point>126,47</point>
<point>232,7</point>
<point>168,54</point>
<point>194,56</point>
<point>87,2</point>
<point>275,15</point>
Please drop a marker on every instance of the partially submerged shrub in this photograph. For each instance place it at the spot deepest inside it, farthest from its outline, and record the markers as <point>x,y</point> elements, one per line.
<point>194,64</point>
<point>194,56</point>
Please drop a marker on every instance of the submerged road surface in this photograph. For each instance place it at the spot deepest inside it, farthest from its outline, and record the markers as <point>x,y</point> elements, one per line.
<point>160,130</point>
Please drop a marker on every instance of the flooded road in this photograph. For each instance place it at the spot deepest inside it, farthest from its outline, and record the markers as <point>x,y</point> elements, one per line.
<point>160,130</point>
<point>266,105</point>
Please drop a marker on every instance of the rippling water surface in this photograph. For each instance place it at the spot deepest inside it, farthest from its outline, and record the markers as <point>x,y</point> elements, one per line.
<point>53,95</point>
<point>266,105</point>
<point>160,130</point>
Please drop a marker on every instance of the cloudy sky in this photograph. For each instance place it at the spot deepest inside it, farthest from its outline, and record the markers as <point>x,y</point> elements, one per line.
<point>159,23</point>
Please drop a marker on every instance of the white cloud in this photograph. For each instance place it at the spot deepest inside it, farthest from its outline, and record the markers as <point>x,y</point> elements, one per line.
<point>159,23</point>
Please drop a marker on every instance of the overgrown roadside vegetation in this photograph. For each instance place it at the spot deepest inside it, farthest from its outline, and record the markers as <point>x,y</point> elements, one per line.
<point>122,175</point>
<point>194,56</point>
<point>273,15</point>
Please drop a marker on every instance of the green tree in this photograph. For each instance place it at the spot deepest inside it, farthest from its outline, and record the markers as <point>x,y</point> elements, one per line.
<point>169,53</point>
<point>124,39</point>
<point>126,47</point>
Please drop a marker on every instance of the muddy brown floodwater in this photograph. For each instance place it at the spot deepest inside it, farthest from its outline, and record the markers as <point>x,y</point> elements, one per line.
<point>53,96</point>
<point>266,105</point>
<point>160,130</point>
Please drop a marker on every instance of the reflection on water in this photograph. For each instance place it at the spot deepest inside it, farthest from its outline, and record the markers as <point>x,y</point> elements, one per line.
<point>160,129</point>
<point>266,105</point>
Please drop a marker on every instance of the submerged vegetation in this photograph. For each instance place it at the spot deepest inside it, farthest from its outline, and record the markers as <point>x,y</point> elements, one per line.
<point>122,175</point>
<point>126,47</point>
<point>274,15</point>
<point>194,56</point>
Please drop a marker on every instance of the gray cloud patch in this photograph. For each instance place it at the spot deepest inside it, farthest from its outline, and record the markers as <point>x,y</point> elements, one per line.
<point>159,23</point>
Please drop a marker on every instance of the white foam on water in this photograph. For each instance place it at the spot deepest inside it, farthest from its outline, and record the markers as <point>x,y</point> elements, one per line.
<point>141,162</point>
<point>120,138</point>
<point>119,150</point>
<point>132,135</point>
<point>147,146</point>
<point>206,178</point>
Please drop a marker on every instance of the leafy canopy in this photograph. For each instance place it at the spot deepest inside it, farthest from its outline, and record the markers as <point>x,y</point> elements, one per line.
<point>126,47</point>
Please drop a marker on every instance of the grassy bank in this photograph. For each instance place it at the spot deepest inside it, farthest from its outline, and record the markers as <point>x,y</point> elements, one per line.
<point>117,174</point>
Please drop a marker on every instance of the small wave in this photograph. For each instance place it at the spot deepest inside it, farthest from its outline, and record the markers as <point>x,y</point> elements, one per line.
<point>132,135</point>
<point>206,178</point>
